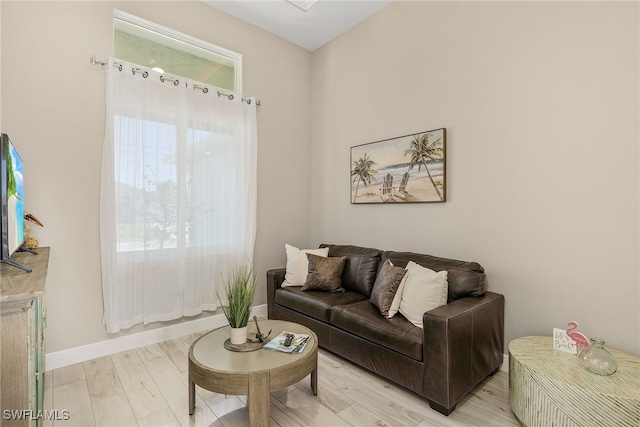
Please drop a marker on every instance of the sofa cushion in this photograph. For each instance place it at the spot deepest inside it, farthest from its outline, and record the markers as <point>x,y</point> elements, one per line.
<point>325,274</point>
<point>386,286</point>
<point>316,304</point>
<point>360,269</point>
<point>363,319</point>
<point>466,279</point>
<point>298,264</point>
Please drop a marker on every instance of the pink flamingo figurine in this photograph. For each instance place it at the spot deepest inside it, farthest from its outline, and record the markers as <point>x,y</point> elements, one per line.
<point>580,339</point>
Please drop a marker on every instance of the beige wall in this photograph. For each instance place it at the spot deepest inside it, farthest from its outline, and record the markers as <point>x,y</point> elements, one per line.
<point>53,103</point>
<point>540,101</point>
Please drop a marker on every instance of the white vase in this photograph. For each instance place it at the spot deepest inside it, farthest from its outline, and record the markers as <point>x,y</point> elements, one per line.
<point>238,335</point>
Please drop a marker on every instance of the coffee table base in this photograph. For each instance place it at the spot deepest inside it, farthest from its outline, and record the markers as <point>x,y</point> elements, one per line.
<point>258,388</point>
<point>285,370</point>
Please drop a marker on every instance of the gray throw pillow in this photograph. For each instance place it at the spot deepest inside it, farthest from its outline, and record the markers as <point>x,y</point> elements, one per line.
<point>386,286</point>
<point>325,273</point>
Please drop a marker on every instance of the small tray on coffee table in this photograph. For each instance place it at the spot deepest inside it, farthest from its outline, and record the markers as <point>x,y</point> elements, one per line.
<point>248,346</point>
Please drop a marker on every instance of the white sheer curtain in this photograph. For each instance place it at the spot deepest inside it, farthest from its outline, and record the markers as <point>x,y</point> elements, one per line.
<point>178,196</point>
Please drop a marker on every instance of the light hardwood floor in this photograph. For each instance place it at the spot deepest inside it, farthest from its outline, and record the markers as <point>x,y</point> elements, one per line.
<point>148,387</point>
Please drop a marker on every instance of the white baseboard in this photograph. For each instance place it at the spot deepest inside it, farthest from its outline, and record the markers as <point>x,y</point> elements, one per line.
<point>59,359</point>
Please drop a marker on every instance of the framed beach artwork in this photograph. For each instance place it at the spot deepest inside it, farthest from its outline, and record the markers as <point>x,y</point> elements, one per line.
<point>406,169</point>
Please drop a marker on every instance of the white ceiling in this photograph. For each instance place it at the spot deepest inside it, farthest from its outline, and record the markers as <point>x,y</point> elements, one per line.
<point>325,20</point>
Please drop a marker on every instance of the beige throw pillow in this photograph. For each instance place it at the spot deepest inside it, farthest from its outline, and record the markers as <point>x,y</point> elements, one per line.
<point>423,291</point>
<point>298,264</point>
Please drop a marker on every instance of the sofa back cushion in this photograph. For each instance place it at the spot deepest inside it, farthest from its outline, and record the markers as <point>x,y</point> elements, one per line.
<point>465,279</point>
<point>360,268</point>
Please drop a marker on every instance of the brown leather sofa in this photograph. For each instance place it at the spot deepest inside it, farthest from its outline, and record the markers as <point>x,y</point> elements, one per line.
<point>461,343</point>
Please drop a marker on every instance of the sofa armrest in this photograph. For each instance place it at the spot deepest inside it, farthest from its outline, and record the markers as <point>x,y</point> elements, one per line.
<point>463,344</point>
<point>275,277</point>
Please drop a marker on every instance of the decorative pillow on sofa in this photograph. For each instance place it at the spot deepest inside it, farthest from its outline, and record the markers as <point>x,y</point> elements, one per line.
<point>386,286</point>
<point>423,290</point>
<point>395,304</point>
<point>298,264</point>
<point>325,273</point>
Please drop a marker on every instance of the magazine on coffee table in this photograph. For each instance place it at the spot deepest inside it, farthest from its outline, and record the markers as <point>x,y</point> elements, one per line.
<point>297,342</point>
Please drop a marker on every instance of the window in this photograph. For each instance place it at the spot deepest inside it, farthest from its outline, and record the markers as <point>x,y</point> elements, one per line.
<point>169,180</point>
<point>178,188</point>
<point>155,47</point>
<point>155,198</point>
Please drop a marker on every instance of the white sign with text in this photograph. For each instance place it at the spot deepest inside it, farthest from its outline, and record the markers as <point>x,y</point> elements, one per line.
<point>562,342</point>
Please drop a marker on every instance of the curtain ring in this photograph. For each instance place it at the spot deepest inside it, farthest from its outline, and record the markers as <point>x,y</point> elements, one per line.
<point>228,95</point>
<point>145,73</point>
<point>205,89</point>
<point>162,78</point>
<point>176,82</point>
<point>119,67</point>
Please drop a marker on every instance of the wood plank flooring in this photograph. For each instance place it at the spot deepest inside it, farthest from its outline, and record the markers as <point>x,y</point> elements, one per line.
<point>148,387</point>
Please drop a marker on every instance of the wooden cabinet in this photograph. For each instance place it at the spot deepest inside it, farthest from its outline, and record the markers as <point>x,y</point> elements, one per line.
<point>22,323</point>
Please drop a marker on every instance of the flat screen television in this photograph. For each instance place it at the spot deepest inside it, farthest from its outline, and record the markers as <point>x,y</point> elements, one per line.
<point>12,200</point>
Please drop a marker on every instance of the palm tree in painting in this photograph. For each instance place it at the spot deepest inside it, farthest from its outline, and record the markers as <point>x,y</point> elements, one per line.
<point>422,151</point>
<point>364,172</point>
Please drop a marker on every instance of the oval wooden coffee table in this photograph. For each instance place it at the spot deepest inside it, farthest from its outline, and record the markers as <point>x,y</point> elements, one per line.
<point>255,373</point>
